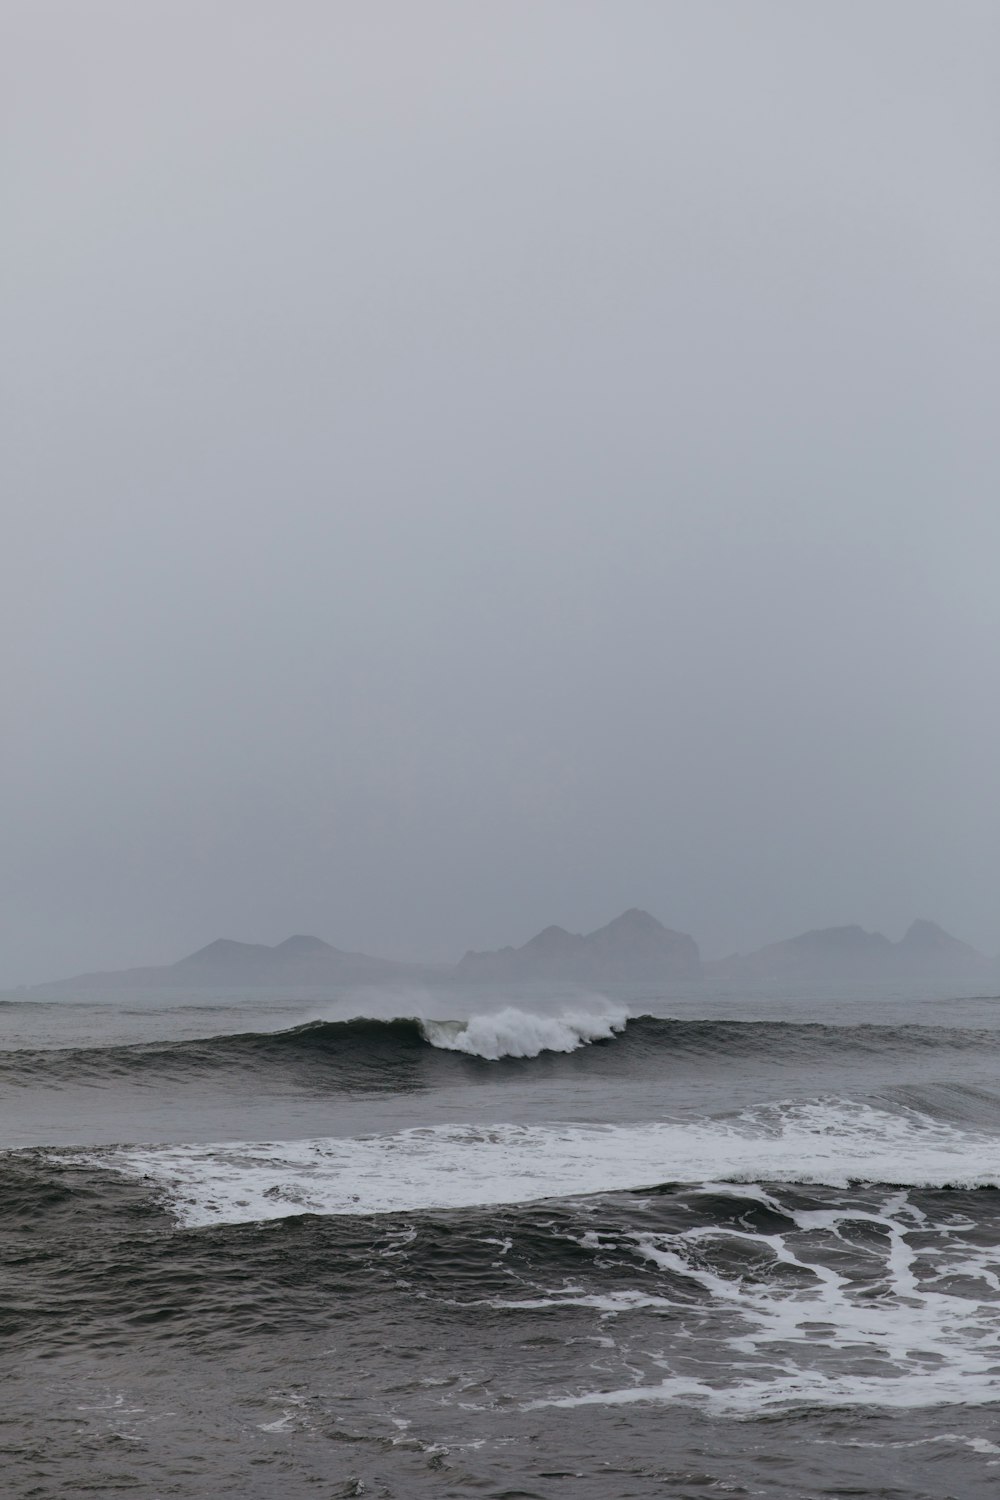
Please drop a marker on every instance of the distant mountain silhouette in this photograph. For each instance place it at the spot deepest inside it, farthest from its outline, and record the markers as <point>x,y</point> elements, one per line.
<point>298,962</point>
<point>635,946</point>
<point>926,948</point>
<point>834,953</point>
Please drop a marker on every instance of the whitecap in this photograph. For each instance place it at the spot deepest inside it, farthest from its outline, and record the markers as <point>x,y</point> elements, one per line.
<point>832,1142</point>
<point>519,1033</point>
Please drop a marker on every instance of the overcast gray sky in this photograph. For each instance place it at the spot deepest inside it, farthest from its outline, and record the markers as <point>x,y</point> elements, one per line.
<point>469,466</point>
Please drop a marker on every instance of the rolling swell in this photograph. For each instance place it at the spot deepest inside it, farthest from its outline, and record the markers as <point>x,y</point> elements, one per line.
<point>656,1259</point>
<point>366,1052</point>
<point>363,1045</point>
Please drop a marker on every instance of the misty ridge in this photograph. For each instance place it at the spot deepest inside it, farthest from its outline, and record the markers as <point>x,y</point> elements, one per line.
<point>633,948</point>
<point>500,489</point>
<point>501,526</point>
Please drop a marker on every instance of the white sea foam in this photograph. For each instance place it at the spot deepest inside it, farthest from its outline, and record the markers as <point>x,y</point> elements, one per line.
<point>560,1020</point>
<point>978,1445</point>
<point>832,1142</point>
<point>908,1340</point>
<point>519,1033</point>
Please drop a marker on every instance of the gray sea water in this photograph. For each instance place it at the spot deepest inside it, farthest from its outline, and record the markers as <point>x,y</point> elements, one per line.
<point>501,1243</point>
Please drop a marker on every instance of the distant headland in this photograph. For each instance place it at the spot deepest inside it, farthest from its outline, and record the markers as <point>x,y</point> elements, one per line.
<point>633,948</point>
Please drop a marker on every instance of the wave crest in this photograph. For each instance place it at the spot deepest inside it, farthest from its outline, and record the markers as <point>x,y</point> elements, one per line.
<point>380,1051</point>
<point>829,1141</point>
<point>518,1033</point>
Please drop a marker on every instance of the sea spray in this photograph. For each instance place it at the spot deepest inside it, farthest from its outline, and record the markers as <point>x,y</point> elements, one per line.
<point>518,1033</point>
<point>835,1142</point>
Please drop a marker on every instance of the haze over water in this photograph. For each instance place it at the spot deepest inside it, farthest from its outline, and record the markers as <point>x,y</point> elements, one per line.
<point>548,1243</point>
<point>476,467</point>
<point>469,469</point>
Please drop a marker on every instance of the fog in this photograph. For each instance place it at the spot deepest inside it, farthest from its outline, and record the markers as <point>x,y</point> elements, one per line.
<point>476,466</point>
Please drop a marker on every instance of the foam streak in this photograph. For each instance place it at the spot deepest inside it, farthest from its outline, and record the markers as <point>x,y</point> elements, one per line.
<point>830,1142</point>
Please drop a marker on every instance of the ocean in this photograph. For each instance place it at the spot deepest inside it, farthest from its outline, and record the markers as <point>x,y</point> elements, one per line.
<point>501,1243</point>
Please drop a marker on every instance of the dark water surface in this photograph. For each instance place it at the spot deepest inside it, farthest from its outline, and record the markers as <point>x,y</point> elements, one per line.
<point>547,1245</point>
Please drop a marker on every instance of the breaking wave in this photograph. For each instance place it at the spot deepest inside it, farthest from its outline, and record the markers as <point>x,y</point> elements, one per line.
<point>366,1052</point>
<point>378,1055</point>
<point>518,1033</point>
<point>833,1142</point>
